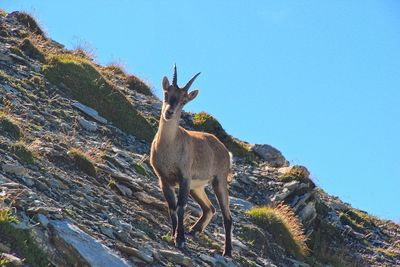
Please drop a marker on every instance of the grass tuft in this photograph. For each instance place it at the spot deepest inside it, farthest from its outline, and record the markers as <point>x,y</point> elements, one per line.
<point>28,21</point>
<point>206,123</point>
<point>83,161</point>
<point>22,151</point>
<point>91,88</point>
<point>284,226</point>
<point>9,127</point>
<point>4,261</point>
<point>31,50</point>
<point>137,85</point>
<point>115,69</point>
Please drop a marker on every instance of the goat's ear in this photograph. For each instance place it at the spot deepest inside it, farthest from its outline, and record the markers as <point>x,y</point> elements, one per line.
<point>192,95</point>
<point>165,83</point>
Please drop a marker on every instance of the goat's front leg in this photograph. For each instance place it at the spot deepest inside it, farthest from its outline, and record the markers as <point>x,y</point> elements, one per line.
<point>169,195</point>
<point>184,189</point>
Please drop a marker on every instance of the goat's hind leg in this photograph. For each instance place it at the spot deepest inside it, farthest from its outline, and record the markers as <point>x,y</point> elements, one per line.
<point>208,210</point>
<point>220,187</point>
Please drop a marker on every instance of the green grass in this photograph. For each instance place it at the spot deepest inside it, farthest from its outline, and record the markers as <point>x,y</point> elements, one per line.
<point>137,85</point>
<point>167,238</point>
<point>23,244</point>
<point>206,123</point>
<point>4,261</point>
<point>20,240</point>
<point>140,169</point>
<point>91,88</point>
<point>9,127</point>
<point>6,215</point>
<point>22,151</point>
<point>31,50</point>
<point>296,173</point>
<point>83,161</point>
<point>285,228</point>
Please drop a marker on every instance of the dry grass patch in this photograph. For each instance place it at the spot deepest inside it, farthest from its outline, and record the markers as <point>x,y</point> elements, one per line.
<point>282,223</point>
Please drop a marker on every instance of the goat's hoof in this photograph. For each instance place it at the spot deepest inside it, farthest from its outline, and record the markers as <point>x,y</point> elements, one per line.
<point>227,253</point>
<point>180,244</point>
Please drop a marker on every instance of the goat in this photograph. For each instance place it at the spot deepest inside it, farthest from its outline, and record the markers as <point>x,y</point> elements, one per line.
<point>190,160</point>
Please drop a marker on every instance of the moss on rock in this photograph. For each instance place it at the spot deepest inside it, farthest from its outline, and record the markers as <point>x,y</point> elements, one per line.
<point>22,151</point>
<point>83,161</point>
<point>91,88</point>
<point>9,127</point>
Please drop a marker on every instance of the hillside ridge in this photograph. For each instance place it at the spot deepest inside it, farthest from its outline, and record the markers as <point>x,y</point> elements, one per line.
<point>76,187</point>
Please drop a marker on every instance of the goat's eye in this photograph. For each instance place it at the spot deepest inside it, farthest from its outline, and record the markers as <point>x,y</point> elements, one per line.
<point>165,95</point>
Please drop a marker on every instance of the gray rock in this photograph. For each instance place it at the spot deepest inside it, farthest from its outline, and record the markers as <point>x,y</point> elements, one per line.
<point>308,213</point>
<point>81,247</point>
<point>270,154</point>
<point>14,169</point>
<point>136,253</point>
<point>43,220</point>
<point>88,125</point>
<point>176,257</point>
<point>107,231</point>
<point>9,89</point>
<point>89,111</point>
<point>208,259</point>
<point>241,203</point>
<point>221,261</point>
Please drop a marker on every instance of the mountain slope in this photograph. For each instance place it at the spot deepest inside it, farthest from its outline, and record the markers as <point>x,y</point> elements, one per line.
<point>74,172</point>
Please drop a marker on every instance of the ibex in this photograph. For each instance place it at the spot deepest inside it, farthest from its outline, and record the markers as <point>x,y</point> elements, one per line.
<point>190,160</point>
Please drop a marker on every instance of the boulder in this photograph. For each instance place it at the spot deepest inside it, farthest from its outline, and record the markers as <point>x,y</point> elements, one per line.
<point>81,247</point>
<point>271,155</point>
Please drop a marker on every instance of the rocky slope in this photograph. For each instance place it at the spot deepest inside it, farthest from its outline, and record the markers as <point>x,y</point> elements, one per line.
<point>71,214</point>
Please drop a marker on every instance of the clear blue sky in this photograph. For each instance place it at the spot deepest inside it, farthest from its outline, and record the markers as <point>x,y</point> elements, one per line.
<point>319,80</point>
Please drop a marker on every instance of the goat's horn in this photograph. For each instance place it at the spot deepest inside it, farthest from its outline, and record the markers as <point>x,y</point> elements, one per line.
<point>187,86</point>
<point>174,78</point>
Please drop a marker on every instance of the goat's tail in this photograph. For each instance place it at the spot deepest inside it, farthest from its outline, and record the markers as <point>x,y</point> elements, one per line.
<point>230,174</point>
